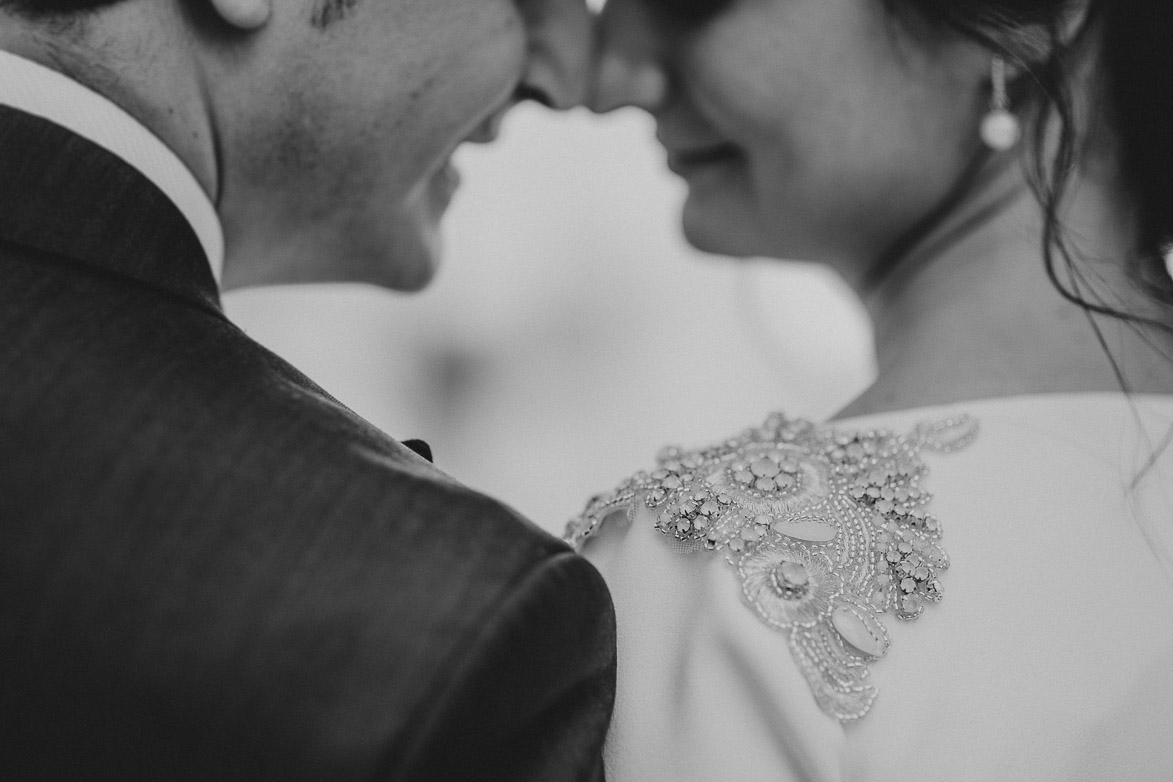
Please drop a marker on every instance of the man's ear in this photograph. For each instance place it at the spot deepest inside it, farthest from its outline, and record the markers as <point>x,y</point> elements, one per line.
<point>245,15</point>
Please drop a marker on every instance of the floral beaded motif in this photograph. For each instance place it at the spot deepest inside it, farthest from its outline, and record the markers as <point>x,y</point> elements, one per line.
<point>826,530</point>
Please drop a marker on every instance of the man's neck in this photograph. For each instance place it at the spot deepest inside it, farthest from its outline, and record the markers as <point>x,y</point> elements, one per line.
<point>151,75</point>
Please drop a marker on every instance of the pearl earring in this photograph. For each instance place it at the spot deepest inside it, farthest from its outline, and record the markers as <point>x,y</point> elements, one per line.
<point>1000,128</point>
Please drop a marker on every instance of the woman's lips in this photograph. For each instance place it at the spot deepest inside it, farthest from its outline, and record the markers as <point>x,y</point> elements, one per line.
<point>685,161</point>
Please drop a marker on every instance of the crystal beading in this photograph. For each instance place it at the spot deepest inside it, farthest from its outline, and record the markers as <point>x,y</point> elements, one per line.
<point>827,531</point>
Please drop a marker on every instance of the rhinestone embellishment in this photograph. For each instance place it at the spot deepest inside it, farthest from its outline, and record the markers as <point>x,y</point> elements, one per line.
<point>827,532</point>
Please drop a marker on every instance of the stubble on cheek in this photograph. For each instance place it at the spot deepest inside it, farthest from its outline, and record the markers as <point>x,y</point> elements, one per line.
<point>325,158</point>
<point>297,144</point>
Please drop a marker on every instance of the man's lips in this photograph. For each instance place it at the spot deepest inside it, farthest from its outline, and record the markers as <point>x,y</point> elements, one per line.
<point>682,161</point>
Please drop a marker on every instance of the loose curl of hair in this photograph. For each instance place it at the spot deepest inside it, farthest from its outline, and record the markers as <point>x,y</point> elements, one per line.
<point>1126,41</point>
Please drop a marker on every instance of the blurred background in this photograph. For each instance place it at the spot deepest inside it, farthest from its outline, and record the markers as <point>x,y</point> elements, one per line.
<point>571,333</point>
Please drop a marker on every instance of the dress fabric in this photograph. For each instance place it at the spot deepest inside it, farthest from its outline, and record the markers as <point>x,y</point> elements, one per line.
<point>1048,657</point>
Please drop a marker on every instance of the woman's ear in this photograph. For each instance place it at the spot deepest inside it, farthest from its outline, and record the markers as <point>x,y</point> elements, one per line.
<point>245,15</point>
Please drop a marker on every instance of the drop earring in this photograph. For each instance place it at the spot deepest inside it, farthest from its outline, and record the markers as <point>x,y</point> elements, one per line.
<point>1000,128</point>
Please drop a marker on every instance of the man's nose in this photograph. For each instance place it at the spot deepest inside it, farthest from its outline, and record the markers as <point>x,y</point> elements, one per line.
<point>629,64</point>
<point>561,48</point>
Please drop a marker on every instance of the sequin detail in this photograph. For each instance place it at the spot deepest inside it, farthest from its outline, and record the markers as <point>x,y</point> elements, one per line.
<point>826,530</point>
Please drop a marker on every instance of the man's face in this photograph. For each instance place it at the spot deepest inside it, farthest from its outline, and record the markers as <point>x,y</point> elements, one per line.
<point>343,115</point>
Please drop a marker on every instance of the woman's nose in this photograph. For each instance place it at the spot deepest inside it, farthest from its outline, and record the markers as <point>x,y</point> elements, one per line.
<point>629,67</point>
<point>561,49</point>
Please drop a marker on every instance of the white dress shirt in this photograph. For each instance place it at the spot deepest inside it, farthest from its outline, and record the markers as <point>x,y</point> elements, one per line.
<point>45,93</point>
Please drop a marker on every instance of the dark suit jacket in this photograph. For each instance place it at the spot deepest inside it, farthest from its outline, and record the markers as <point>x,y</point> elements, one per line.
<point>210,569</point>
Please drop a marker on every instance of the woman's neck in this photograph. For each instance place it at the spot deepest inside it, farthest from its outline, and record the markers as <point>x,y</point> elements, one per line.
<point>976,316</point>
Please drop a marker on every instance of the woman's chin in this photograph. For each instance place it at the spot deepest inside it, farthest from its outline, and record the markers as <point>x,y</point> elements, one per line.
<point>736,227</point>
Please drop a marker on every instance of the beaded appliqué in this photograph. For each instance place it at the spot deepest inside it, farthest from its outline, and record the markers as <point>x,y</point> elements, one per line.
<point>827,532</point>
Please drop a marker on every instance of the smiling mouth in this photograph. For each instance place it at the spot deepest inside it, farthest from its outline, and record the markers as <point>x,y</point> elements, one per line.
<point>689,160</point>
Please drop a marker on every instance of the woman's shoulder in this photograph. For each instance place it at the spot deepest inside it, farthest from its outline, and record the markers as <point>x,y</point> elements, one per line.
<point>827,528</point>
<point>830,531</point>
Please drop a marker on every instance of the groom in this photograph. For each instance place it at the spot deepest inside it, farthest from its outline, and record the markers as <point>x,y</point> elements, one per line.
<point>209,568</point>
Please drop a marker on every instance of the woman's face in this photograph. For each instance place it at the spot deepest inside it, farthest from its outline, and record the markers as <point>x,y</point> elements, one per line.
<point>813,129</point>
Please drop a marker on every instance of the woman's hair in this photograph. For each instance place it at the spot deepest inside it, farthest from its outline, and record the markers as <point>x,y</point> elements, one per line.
<point>1125,43</point>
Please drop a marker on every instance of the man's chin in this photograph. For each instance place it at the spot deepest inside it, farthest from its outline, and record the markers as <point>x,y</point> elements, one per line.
<point>412,258</point>
<point>412,280</point>
<point>410,243</point>
<point>401,253</point>
<point>404,253</point>
<point>406,261</point>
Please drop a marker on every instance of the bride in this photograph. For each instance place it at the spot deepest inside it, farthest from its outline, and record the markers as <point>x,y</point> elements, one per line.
<point>967,573</point>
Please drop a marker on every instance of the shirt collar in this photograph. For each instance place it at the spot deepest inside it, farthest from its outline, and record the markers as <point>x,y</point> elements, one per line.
<point>40,91</point>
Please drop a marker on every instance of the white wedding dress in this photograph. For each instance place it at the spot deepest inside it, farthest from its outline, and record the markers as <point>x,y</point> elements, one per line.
<point>982,591</point>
